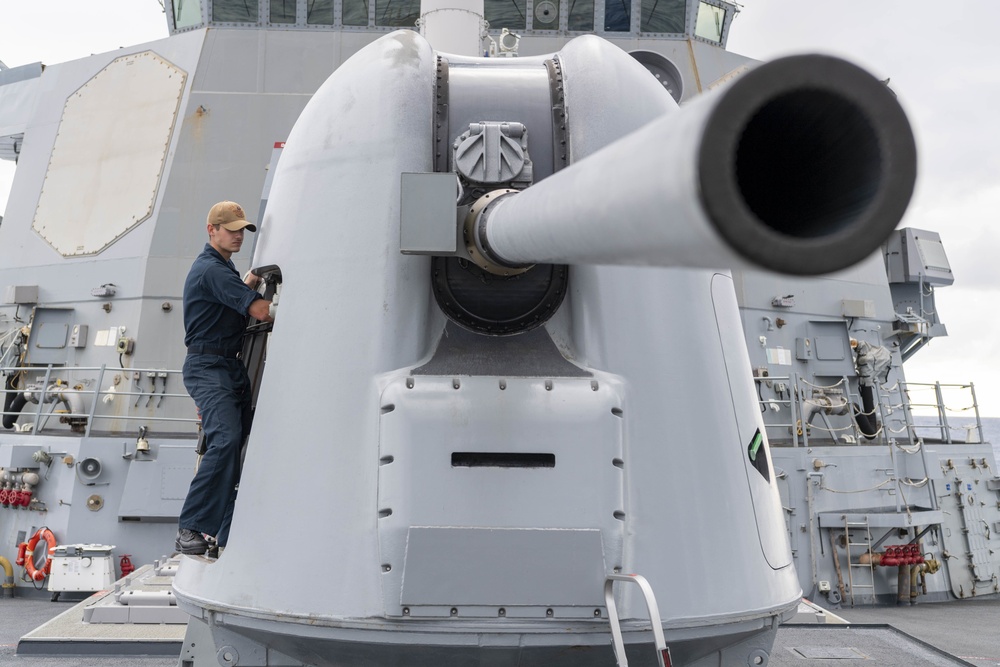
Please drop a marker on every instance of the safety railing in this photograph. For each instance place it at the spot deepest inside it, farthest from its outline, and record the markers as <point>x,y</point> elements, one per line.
<point>795,405</point>
<point>946,405</point>
<point>904,414</point>
<point>77,396</point>
<point>807,402</point>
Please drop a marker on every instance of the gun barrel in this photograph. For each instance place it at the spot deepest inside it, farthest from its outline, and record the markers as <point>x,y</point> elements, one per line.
<point>803,165</point>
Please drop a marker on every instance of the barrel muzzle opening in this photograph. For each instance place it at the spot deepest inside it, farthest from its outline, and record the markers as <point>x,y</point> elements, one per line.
<point>807,165</point>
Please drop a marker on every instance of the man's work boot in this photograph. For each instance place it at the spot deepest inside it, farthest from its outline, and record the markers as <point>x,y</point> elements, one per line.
<point>191,542</point>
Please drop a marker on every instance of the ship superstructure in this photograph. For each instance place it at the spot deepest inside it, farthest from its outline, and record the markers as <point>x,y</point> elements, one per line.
<point>890,490</point>
<point>438,532</point>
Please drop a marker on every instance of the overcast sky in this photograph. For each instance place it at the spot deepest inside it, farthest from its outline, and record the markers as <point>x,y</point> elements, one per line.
<point>943,62</point>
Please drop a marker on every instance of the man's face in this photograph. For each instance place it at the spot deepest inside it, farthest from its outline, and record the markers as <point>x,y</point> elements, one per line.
<point>224,240</point>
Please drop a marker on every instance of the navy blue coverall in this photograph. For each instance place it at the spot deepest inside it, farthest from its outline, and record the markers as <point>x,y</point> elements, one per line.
<point>216,302</point>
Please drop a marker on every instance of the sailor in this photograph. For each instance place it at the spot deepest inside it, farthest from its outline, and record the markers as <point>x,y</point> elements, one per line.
<point>216,306</point>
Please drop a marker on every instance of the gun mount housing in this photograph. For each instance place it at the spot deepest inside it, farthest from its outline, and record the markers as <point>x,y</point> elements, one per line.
<point>470,493</point>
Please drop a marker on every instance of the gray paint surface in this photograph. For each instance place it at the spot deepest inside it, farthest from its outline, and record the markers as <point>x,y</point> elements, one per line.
<point>250,82</point>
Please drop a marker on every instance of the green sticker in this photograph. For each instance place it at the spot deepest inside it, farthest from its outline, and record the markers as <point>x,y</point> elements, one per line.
<point>755,444</point>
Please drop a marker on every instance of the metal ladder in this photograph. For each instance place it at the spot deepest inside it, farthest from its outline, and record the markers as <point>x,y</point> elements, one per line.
<point>851,566</point>
<point>662,652</point>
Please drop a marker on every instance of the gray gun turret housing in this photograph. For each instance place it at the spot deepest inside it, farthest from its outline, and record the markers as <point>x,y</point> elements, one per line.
<point>507,413</point>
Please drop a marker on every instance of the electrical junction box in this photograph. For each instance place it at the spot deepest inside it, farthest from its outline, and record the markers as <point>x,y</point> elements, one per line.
<point>20,294</point>
<point>858,308</point>
<point>125,345</point>
<point>82,567</point>
<point>78,335</point>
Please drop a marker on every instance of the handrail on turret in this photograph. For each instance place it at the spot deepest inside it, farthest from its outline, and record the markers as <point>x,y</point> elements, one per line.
<point>617,641</point>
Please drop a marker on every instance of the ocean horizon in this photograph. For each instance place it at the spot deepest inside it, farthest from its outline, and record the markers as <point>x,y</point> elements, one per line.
<point>959,428</point>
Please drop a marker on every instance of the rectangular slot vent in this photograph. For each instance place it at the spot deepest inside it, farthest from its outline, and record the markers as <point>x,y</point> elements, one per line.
<point>501,460</point>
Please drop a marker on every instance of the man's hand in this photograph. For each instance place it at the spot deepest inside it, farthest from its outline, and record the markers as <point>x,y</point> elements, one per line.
<point>260,309</point>
<point>251,280</point>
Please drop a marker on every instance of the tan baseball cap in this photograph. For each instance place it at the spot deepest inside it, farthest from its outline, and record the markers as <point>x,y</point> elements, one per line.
<point>230,215</point>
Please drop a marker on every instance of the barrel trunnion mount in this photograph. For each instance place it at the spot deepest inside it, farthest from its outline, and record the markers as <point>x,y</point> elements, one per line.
<point>540,378</point>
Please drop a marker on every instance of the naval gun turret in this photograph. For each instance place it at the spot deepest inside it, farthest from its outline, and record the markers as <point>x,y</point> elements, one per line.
<point>504,281</point>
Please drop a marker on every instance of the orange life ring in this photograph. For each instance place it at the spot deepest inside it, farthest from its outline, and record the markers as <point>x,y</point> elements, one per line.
<point>29,560</point>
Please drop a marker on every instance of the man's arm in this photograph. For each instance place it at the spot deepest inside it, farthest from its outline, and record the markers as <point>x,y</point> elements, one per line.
<point>260,309</point>
<point>227,287</point>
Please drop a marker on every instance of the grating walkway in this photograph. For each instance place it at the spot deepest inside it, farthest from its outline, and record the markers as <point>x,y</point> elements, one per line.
<point>848,645</point>
<point>154,630</point>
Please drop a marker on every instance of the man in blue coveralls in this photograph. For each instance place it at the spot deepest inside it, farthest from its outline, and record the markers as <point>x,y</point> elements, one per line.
<point>216,305</point>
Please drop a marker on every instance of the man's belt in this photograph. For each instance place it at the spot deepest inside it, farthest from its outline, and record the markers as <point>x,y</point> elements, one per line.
<point>217,351</point>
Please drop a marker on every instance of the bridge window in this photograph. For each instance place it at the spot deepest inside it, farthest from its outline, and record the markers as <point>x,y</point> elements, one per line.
<point>186,13</point>
<point>282,11</point>
<point>505,14</point>
<point>234,11</point>
<point>711,21</point>
<point>581,15</point>
<point>617,16</point>
<point>355,12</point>
<point>663,16</point>
<point>320,12</point>
<point>397,13</point>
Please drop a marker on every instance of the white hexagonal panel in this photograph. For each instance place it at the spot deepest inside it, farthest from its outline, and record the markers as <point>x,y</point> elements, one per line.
<point>108,155</point>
